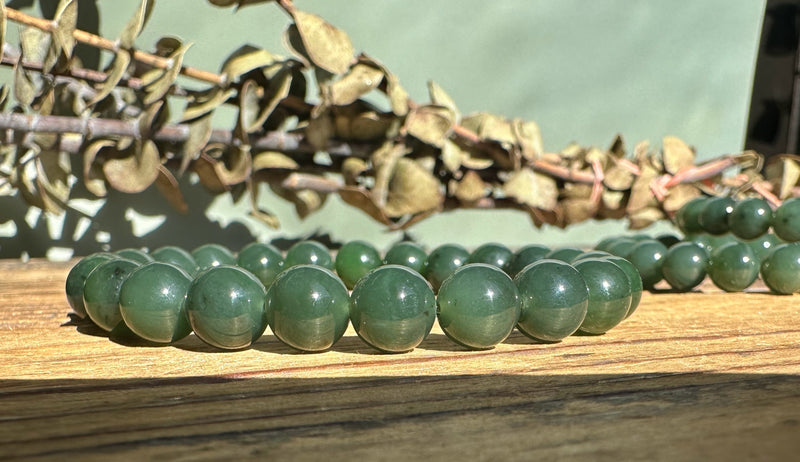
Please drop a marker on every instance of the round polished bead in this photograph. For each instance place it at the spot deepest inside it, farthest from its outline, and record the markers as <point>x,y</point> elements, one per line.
<point>647,257</point>
<point>609,295</point>
<point>492,254</point>
<point>781,270</point>
<point>151,301</point>
<point>478,306</point>
<point>565,254</point>
<point>137,255</point>
<point>554,300</point>
<point>634,278</point>
<point>406,254</point>
<point>688,216</point>
<point>733,267</point>
<point>308,308</point>
<point>308,253</point>
<point>211,255</point>
<point>590,254</point>
<point>354,260</point>
<point>786,222</point>
<point>393,308</point>
<point>176,256</point>
<point>605,243</point>
<point>764,245</point>
<point>710,243</point>
<point>264,261</point>
<point>442,262</point>
<point>750,218</point>
<point>622,247</point>
<point>77,278</point>
<point>668,240</point>
<point>684,266</point>
<point>714,216</point>
<point>525,256</point>
<point>225,305</point>
<point>101,291</point>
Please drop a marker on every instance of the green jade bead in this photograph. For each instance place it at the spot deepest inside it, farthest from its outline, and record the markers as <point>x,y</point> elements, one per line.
<point>392,309</point>
<point>668,240</point>
<point>406,254</point>
<point>101,291</point>
<point>750,218</point>
<point>139,256</point>
<point>264,261</point>
<point>605,242</point>
<point>634,278</point>
<point>565,254</point>
<point>176,256</point>
<point>590,254</point>
<point>225,305</point>
<point>733,267</point>
<point>714,216</point>
<point>478,306</point>
<point>308,308</point>
<point>786,221</point>
<point>525,256</point>
<point>308,253</point>
<point>77,278</point>
<point>442,262</point>
<point>688,216</point>
<point>554,300</point>
<point>684,266</point>
<point>211,255</point>
<point>354,260</point>
<point>492,254</point>
<point>151,301</point>
<point>647,257</point>
<point>710,243</point>
<point>781,270</point>
<point>764,245</point>
<point>622,247</point>
<point>609,295</point>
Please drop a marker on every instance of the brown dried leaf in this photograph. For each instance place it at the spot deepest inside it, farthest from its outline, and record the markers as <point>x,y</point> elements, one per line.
<point>3,23</point>
<point>360,80</point>
<point>430,124</point>
<point>135,25</point>
<point>359,122</point>
<point>161,85</point>
<point>578,210</point>
<point>360,198</point>
<point>53,179</point>
<point>136,171</point>
<point>412,190</point>
<point>65,22</point>
<point>273,160</point>
<point>320,129</point>
<point>612,200</point>
<point>245,59</point>
<point>641,195</point>
<point>783,172</point>
<point>327,46</point>
<point>93,177</point>
<point>169,188</point>
<point>205,167</point>
<point>617,148</point>
<point>679,195</point>
<point>440,97</point>
<point>532,188</point>
<point>114,73</point>
<point>203,103</point>
<point>645,217</point>
<point>451,157</point>
<point>236,164</point>
<point>24,88</point>
<point>352,168</point>
<point>199,134</point>
<point>529,138</point>
<point>305,201</point>
<point>470,188</point>
<point>618,178</point>
<point>676,155</point>
<point>257,212</point>
<point>384,161</point>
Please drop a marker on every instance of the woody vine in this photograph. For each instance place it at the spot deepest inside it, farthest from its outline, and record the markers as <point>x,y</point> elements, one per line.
<point>112,129</point>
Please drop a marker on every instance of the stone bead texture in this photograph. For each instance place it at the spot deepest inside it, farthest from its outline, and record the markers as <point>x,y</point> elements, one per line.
<point>554,300</point>
<point>733,267</point>
<point>406,254</point>
<point>478,306</point>
<point>354,260</point>
<point>688,216</point>
<point>634,278</point>
<point>225,305</point>
<point>750,218</point>
<point>392,309</point>
<point>308,308</point>
<point>714,216</point>
<point>264,261</point>
<point>647,257</point>
<point>781,270</point>
<point>308,253</point>
<point>101,291</point>
<point>77,278</point>
<point>764,245</point>
<point>492,254</point>
<point>609,295</point>
<point>211,255</point>
<point>565,254</point>
<point>176,256</point>
<point>621,247</point>
<point>151,301</point>
<point>442,262</point>
<point>525,256</point>
<point>786,221</point>
<point>684,266</point>
<point>139,256</point>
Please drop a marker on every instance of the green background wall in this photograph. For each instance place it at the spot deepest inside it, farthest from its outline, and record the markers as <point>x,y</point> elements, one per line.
<point>584,70</point>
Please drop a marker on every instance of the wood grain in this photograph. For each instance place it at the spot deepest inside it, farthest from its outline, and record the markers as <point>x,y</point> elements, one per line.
<point>706,375</point>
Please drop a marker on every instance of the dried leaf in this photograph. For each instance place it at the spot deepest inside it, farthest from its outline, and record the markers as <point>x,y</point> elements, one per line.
<point>398,96</point>
<point>361,199</point>
<point>246,59</point>
<point>360,80</point>
<point>529,138</point>
<point>256,110</point>
<point>412,190</point>
<point>65,22</point>
<point>2,24</point>
<point>498,129</point>
<point>678,195</point>
<point>24,88</point>
<point>199,133</point>
<point>430,124</point>
<point>305,201</point>
<point>169,188</point>
<point>440,97</point>
<point>135,25</point>
<point>352,167</point>
<point>159,88</point>
<point>203,103</point>
<point>384,162</point>
<point>237,164</point>
<point>532,188</point>
<point>327,46</point>
<point>617,148</point>
<point>93,177</point>
<point>578,210</point>
<point>353,122</point>
<point>205,167</point>
<point>784,173</point>
<point>238,3</point>
<point>53,179</point>
<point>618,178</point>
<point>451,156</point>
<point>135,172</point>
<point>114,73</point>
<point>273,159</point>
<point>612,201</point>
<point>641,196</point>
<point>470,188</point>
<point>645,217</point>
<point>320,129</point>
<point>257,212</point>
<point>676,155</point>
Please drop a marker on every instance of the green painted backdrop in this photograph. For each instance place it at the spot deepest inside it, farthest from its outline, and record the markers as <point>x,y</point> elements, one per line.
<point>584,70</point>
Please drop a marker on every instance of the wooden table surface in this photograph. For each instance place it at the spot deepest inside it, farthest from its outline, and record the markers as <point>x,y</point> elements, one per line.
<point>708,375</point>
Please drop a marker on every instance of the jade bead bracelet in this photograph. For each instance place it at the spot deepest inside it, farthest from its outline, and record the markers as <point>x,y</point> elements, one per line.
<point>228,300</point>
